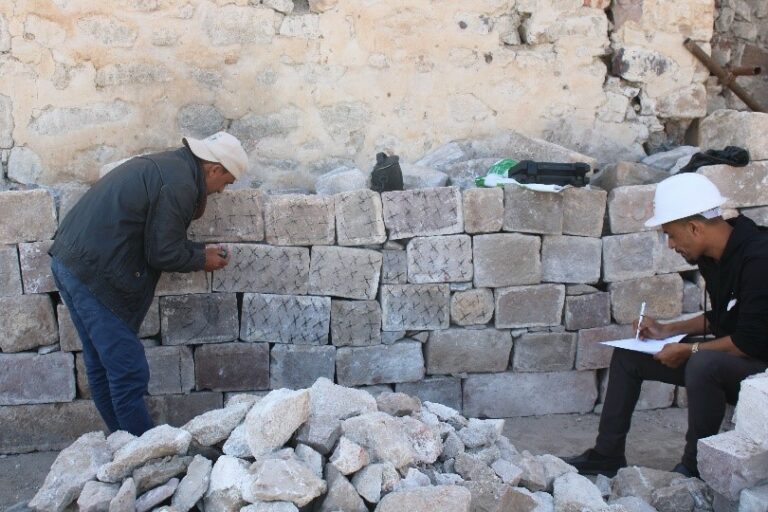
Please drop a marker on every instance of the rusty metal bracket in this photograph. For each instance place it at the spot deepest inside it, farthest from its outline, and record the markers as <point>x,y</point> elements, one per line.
<point>727,75</point>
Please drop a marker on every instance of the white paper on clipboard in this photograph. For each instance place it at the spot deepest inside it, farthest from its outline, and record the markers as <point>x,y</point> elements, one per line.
<point>646,346</point>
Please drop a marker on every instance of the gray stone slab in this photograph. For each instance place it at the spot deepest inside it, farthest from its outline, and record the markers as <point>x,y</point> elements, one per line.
<point>544,352</point>
<point>663,296</point>
<point>401,362</point>
<point>440,259</point>
<point>299,366</point>
<point>629,207</point>
<point>587,311</point>
<point>452,351</point>
<point>491,396</point>
<point>231,216</point>
<point>27,322</point>
<point>730,462</point>
<point>691,297</point>
<point>570,259</point>
<point>759,215</point>
<point>355,323</point>
<point>423,212</point>
<point>415,307</point>
<point>294,219</point>
<point>440,389</point>
<point>394,267</point>
<point>176,283</point>
<point>26,216</point>
<point>36,275</point>
<point>10,276</point>
<point>506,260</point>
<point>359,218</point>
<point>733,128</point>
<point>197,319</point>
<point>483,210</point>
<point>264,269</point>
<point>472,307</point>
<point>627,173</point>
<point>171,370</point>
<point>344,272</point>
<point>296,319</point>
<point>529,306</point>
<point>232,366</point>
<point>668,261</point>
<point>528,211</point>
<point>35,379</point>
<point>584,211</point>
<point>630,256</point>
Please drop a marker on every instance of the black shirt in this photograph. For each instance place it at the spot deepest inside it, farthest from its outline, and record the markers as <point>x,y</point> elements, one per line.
<point>738,288</point>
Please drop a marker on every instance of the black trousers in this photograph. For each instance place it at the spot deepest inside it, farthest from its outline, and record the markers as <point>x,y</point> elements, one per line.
<point>711,379</point>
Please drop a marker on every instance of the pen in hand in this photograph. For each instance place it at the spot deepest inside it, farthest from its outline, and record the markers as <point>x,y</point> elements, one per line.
<point>642,312</point>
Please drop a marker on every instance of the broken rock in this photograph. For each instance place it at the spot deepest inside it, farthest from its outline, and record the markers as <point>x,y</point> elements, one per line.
<point>273,420</point>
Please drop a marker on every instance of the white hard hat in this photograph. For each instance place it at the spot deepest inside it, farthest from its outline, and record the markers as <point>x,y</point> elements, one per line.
<point>221,148</point>
<point>684,195</point>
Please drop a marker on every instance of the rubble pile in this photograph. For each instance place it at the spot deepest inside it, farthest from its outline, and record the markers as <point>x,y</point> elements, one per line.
<point>331,448</point>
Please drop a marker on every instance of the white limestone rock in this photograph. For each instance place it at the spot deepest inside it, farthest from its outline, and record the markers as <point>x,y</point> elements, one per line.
<point>214,426</point>
<point>445,498</point>
<point>150,499</point>
<point>193,486</point>
<point>272,421</point>
<point>125,499</point>
<point>383,436</point>
<point>223,493</point>
<point>282,480</point>
<point>96,496</point>
<point>574,493</point>
<point>349,457</point>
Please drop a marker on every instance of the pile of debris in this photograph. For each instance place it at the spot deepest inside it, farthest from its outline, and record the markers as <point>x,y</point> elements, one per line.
<point>332,448</point>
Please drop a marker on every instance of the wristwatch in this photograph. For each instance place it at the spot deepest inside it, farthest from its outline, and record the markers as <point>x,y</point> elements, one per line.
<point>695,347</point>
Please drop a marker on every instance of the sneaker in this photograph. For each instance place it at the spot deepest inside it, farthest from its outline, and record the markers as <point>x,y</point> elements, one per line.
<point>593,463</point>
<point>686,471</point>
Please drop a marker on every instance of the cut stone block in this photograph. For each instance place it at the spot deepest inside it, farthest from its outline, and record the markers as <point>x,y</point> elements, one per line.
<point>345,272</point>
<point>10,276</point>
<point>441,389</point>
<point>359,218</point>
<point>483,210</point>
<point>171,370</point>
<point>453,351</point>
<point>293,219</point>
<point>623,174</point>
<point>733,128</point>
<point>232,366</point>
<point>529,211</point>
<point>440,259</point>
<point>570,259</point>
<point>26,322</point>
<point>629,207</point>
<point>35,379</point>
<point>742,186</point>
<point>590,354</point>
<point>293,319</point>
<point>663,296</point>
<point>176,283</point>
<point>401,362</point>
<point>751,414</point>
<point>566,392</point>
<point>691,297</point>
<point>197,319</point>
<point>529,306</point>
<point>415,307</point>
<point>587,311</point>
<point>629,256</point>
<point>355,323</point>
<point>423,212</point>
<point>231,216</point>
<point>26,216</point>
<point>544,352</point>
<point>264,269</point>
<point>472,307</point>
<point>730,462</point>
<point>669,261</point>
<point>299,366</point>
<point>151,324</point>
<point>584,211</point>
<point>36,272</point>
<point>506,260</point>
<point>394,267</point>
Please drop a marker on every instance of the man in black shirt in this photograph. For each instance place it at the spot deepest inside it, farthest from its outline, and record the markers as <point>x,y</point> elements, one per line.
<point>733,259</point>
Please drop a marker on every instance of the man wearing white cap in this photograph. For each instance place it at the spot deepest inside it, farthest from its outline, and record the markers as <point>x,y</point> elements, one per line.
<point>733,258</point>
<point>111,248</point>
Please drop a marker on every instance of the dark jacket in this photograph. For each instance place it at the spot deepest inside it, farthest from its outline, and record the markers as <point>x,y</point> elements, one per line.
<point>738,288</point>
<point>131,226</point>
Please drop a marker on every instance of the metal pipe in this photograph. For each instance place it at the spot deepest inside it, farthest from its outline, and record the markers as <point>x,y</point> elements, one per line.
<point>744,70</point>
<point>727,78</point>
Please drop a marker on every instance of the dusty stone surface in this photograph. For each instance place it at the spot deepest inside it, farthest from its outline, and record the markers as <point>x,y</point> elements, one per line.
<point>156,496</point>
<point>28,322</point>
<point>415,307</point>
<point>483,210</point>
<point>36,268</point>
<point>492,254</point>
<point>194,485</point>
<point>570,259</point>
<point>294,219</point>
<point>344,272</point>
<point>454,351</point>
<point>215,426</point>
<point>197,319</point>
<point>447,498</point>
<point>529,306</point>
<point>299,366</point>
<point>282,480</point>
<point>423,212</point>
<point>274,419</point>
<point>264,269</point>
<point>30,378</point>
<point>232,216</point>
<point>307,325</point>
<point>399,362</point>
<point>10,275</point>
<point>27,216</point>
<point>359,218</point>
<point>440,259</point>
<point>629,207</point>
<point>584,211</point>
<point>528,211</point>
<point>662,294</point>
<point>96,496</point>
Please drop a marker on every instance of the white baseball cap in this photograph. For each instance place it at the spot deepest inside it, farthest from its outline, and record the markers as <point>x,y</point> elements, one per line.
<point>684,195</point>
<point>221,148</point>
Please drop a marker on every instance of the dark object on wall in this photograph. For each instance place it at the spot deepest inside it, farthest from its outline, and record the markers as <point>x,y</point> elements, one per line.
<point>386,174</point>
<point>550,173</point>
<point>731,155</point>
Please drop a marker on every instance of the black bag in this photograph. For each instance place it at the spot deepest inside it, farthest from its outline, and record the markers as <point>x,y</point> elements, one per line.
<point>550,173</point>
<point>386,174</point>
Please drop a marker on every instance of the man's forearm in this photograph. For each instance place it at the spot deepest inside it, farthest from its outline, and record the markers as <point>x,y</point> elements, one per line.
<point>695,326</point>
<point>724,344</point>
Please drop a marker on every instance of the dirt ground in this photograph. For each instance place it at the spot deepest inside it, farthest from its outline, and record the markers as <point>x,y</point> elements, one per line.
<point>656,440</point>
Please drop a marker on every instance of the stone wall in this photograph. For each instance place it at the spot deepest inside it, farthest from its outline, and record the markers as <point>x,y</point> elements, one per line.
<point>310,86</point>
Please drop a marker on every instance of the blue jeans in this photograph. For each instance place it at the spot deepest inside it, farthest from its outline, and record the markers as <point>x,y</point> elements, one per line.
<point>117,369</point>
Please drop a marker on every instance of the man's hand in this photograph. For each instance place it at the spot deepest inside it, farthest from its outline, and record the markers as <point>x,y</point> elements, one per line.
<point>674,354</point>
<point>216,258</point>
<point>651,329</point>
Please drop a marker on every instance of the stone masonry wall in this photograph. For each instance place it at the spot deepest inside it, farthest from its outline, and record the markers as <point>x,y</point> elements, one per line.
<point>310,86</point>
